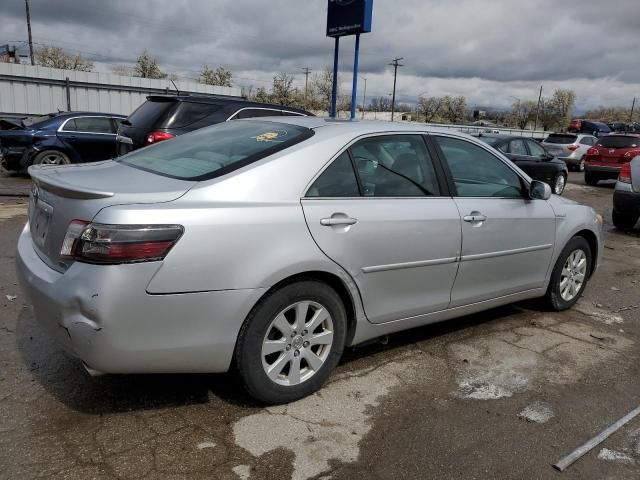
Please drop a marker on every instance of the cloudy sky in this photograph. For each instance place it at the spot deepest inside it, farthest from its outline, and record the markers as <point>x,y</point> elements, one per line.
<point>488,50</point>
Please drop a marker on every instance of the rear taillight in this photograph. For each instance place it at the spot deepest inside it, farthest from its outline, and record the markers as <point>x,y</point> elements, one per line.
<point>625,173</point>
<point>573,147</point>
<point>632,154</point>
<point>593,152</point>
<point>98,243</point>
<point>155,137</point>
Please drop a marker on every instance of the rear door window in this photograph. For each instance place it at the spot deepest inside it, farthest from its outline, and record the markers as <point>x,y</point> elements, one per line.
<point>517,147</point>
<point>338,180</point>
<point>536,150</point>
<point>587,141</point>
<point>92,125</point>
<point>395,166</point>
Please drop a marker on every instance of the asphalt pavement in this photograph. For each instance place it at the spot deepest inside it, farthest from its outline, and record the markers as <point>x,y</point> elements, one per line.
<point>503,394</point>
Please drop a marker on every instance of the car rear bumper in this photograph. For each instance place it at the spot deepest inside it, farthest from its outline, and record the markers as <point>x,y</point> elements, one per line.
<point>604,171</point>
<point>104,316</point>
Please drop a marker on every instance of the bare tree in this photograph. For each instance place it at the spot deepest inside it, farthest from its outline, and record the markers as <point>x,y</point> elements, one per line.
<point>429,107</point>
<point>563,102</point>
<point>321,89</point>
<point>56,57</point>
<point>522,113</point>
<point>220,76</point>
<point>381,104</point>
<point>454,109</point>
<point>147,67</point>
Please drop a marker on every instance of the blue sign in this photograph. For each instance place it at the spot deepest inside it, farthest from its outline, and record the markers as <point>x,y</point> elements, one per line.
<point>349,17</point>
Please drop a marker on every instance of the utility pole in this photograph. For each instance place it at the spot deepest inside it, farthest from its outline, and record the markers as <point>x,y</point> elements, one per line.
<point>633,105</point>
<point>535,127</point>
<point>364,97</point>
<point>306,71</point>
<point>33,62</point>
<point>395,63</point>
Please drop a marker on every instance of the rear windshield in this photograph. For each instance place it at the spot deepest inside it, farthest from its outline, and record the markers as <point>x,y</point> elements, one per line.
<point>147,114</point>
<point>214,151</point>
<point>618,141</point>
<point>553,138</point>
<point>187,113</point>
<point>490,140</point>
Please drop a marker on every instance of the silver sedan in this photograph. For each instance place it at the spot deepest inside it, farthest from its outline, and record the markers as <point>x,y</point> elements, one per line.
<point>273,244</point>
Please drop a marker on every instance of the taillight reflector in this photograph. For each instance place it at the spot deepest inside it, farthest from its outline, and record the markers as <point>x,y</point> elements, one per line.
<point>593,152</point>
<point>155,137</point>
<point>99,243</point>
<point>625,173</point>
<point>573,147</point>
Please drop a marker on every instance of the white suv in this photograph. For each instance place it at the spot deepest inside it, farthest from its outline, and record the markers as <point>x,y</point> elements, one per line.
<point>570,147</point>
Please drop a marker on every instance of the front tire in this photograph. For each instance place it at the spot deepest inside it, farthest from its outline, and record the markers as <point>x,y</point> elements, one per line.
<point>291,341</point>
<point>622,221</point>
<point>559,183</point>
<point>570,275</point>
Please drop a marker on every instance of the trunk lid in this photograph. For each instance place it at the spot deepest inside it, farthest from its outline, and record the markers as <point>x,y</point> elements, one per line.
<point>78,192</point>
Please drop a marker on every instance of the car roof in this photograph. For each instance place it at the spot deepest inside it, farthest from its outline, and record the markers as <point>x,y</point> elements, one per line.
<point>85,114</point>
<point>356,127</point>
<point>232,101</point>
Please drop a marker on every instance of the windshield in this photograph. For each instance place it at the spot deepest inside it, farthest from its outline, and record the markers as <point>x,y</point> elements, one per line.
<point>561,139</point>
<point>618,141</point>
<point>214,151</point>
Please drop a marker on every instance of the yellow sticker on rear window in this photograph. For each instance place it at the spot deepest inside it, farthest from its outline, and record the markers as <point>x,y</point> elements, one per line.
<point>267,137</point>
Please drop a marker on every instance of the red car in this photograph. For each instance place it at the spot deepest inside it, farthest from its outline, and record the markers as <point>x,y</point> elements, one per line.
<point>604,160</point>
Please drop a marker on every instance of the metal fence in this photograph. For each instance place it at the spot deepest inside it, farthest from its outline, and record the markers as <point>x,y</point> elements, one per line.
<point>28,90</point>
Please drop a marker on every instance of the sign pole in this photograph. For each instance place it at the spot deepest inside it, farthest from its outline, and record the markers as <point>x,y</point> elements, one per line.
<point>354,91</point>
<point>334,92</point>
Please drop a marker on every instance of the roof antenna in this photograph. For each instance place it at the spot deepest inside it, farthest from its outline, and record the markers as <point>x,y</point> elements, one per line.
<point>174,86</point>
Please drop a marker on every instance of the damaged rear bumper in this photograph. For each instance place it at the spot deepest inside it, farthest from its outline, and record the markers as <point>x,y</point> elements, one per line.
<point>104,316</point>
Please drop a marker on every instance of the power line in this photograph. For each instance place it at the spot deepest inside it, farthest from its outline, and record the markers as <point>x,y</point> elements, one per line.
<point>395,63</point>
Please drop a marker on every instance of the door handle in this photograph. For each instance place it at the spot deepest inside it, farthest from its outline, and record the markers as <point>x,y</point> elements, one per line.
<point>333,221</point>
<point>474,217</point>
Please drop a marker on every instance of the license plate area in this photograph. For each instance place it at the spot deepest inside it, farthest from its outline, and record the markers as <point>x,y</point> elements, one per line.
<point>40,213</point>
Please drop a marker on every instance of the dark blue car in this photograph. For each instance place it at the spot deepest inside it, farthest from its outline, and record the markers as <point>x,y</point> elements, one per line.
<point>59,138</point>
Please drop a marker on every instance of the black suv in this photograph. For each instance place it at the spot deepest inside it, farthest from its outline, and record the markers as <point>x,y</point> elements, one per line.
<point>165,116</point>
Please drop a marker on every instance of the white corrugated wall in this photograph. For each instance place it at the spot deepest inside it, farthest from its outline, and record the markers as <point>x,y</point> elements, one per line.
<point>24,89</point>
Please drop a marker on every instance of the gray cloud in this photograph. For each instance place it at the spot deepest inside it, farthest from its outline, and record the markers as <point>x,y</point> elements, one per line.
<point>485,50</point>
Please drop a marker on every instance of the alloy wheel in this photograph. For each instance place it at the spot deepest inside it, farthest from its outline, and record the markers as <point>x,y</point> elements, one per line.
<point>559,184</point>
<point>52,158</point>
<point>297,343</point>
<point>573,275</point>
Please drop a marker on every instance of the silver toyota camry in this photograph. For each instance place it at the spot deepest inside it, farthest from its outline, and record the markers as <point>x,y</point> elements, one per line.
<point>273,244</point>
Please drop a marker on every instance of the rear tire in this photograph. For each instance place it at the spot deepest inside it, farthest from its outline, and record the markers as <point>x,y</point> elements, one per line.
<point>624,222</point>
<point>51,157</point>
<point>300,360</point>
<point>591,178</point>
<point>570,275</point>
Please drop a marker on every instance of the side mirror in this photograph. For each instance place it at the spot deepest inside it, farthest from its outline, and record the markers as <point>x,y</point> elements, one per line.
<point>539,190</point>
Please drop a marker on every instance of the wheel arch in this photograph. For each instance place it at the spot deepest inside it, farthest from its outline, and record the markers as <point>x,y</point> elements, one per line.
<point>330,279</point>
<point>592,240</point>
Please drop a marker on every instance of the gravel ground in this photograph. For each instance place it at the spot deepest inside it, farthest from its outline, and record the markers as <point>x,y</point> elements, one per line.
<point>501,394</point>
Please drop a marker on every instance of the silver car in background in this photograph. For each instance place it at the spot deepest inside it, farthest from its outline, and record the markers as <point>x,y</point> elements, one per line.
<point>570,147</point>
<point>273,244</point>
